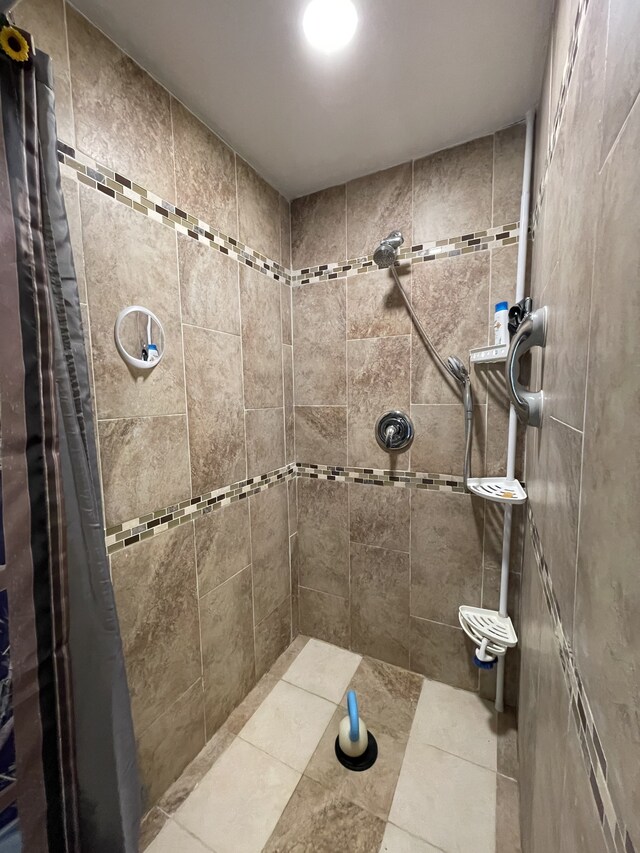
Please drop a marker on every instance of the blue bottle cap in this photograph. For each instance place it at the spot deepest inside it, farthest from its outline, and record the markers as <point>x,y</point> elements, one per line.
<point>502,306</point>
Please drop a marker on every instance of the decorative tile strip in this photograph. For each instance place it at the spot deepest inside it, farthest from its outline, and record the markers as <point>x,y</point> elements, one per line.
<point>616,835</point>
<point>476,241</point>
<point>378,477</point>
<point>87,171</point>
<point>138,529</point>
<point>560,108</point>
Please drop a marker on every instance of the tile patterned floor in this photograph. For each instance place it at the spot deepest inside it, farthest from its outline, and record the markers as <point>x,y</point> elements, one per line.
<point>269,780</point>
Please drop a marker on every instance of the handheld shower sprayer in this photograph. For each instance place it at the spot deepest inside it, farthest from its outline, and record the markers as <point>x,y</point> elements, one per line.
<point>385,256</point>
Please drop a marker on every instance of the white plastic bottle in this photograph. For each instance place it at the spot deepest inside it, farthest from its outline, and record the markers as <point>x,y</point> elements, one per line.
<point>501,324</point>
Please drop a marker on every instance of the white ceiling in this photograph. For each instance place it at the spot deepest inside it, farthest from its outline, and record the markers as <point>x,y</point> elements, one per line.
<point>419,75</point>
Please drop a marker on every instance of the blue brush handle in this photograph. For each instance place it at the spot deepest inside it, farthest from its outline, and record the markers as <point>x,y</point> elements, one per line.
<point>354,719</point>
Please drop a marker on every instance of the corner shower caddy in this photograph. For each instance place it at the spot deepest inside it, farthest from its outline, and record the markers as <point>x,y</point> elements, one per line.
<point>492,631</point>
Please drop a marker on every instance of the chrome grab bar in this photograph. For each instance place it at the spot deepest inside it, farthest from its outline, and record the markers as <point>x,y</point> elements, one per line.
<point>532,332</point>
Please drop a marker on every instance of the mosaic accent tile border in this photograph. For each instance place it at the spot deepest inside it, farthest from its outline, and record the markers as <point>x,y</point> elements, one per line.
<point>138,529</point>
<point>145,527</point>
<point>616,835</point>
<point>560,108</point>
<point>379,477</point>
<point>476,241</point>
<point>126,191</point>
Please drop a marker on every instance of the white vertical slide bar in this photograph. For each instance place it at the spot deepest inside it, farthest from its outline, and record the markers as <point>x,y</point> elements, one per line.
<point>525,201</point>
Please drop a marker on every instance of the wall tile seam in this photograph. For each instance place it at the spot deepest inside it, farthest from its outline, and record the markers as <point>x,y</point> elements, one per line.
<point>118,187</point>
<point>596,764</point>
<point>569,66</point>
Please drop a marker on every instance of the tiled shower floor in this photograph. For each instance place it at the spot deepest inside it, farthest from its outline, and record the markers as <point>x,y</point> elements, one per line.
<point>269,779</point>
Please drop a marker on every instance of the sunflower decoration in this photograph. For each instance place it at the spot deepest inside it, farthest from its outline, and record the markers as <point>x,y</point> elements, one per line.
<point>13,43</point>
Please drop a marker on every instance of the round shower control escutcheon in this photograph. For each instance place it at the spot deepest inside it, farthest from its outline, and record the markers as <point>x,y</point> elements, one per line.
<point>394,431</point>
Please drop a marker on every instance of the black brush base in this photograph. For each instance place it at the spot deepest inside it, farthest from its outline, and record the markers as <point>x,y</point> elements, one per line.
<point>362,762</point>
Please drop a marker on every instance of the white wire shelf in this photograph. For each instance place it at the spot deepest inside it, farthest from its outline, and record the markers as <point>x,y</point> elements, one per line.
<point>481,624</point>
<point>498,489</point>
<point>489,354</point>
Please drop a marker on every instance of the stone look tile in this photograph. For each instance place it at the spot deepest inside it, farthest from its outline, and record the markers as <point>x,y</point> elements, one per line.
<point>286,659</point>
<point>45,20</point>
<point>272,636</point>
<point>379,374</point>
<point>452,191</point>
<point>285,311</point>
<point>223,545</point>
<point>439,443</point>
<point>398,841</point>
<point>261,342</point>
<point>171,742</point>
<point>576,196</point>
<point>580,827</point>
<point>258,212</point>
<point>289,418</point>
<point>193,774</point>
<point>319,820</point>
<point>442,653</point>
<point>227,647</point>
<point>323,669</point>
<point>122,116</point>
<point>173,837</point>
<point>319,349</point>
<point>270,549</point>
<point>508,163</point>
<point>145,465</point>
<point>216,413</point>
<point>380,516</point>
<point>321,434</point>
<point>150,826</point>
<point>217,813</point>
<point>294,562</point>
<point>622,72</point>
<point>389,694</point>
<point>238,718</point>
<point>446,554</point>
<point>288,724</point>
<point>285,233</point>
<point>131,260</point>
<point>155,588</point>
<point>376,205</point>
<point>375,307</point>
<point>372,790</point>
<point>508,744</point>
<point>324,616</point>
<point>71,193</point>
<point>318,228</point>
<point>380,585</point>
<point>205,172</point>
<point>445,800</point>
<point>609,535</point>
<point>507,816</point>
<point>265,440</point>
<point>323,536</point>
<point>451,298</point>
<point>458,722</point>
<point>208,287</point>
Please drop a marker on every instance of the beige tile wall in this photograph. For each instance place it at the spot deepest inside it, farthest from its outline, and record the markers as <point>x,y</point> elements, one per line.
<point>206,607</point>
<point>382,570</point>
<point>583,466</point>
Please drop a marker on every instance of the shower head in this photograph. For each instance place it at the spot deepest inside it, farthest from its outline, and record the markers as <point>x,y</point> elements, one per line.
<point>387,252</point>
<point>457,369</point>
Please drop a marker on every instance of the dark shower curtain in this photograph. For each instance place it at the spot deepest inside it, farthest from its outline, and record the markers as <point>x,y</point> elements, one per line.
<point>68,776</point>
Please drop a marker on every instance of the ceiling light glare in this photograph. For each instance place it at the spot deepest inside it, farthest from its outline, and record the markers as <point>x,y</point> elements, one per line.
<point>330,24</point>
